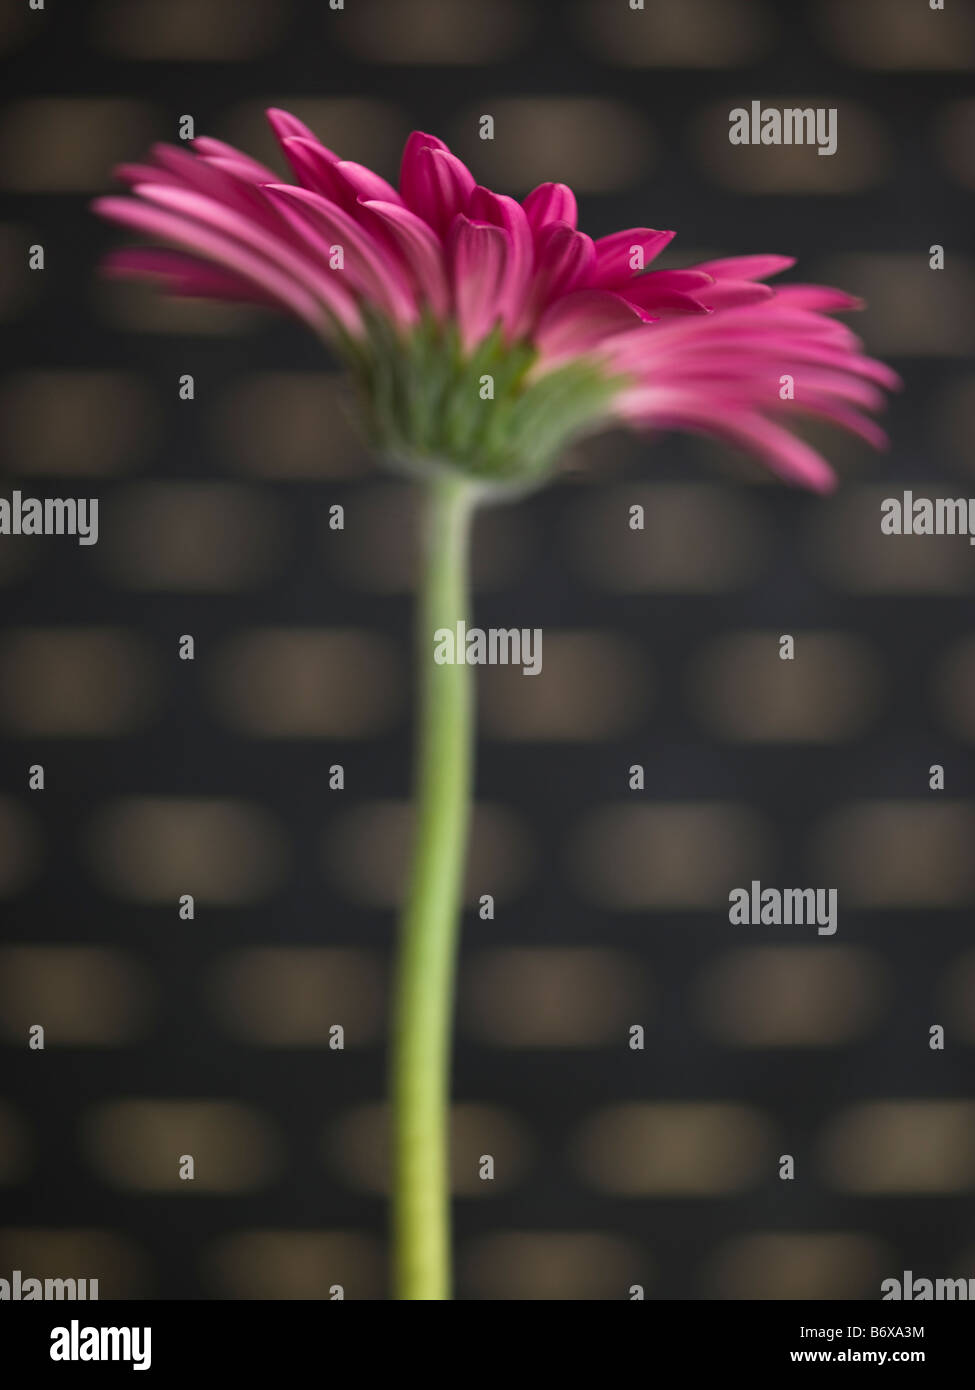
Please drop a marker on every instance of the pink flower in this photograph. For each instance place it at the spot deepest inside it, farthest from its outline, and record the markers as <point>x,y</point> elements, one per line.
<point>485,332</point>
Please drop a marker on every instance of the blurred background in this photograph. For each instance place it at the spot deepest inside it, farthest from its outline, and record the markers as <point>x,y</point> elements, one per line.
<point>209,1037</point>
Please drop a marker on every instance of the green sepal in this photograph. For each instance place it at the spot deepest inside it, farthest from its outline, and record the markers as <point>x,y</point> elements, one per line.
<point>422,400</point>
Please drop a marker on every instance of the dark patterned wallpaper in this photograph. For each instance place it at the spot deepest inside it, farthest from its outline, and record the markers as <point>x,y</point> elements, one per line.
<point>164,1036</point>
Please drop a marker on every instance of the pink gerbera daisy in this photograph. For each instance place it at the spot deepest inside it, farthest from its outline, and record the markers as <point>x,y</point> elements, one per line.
<point>485,333</point>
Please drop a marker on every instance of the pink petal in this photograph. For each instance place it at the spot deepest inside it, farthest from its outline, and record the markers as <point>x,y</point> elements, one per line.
<point>479,261</point>
<point>791,458</point>
<point>341,180</point>
<point>688,281</point>
<point>550,202</point>
<point>214,179</point>
<point>868,367</point>
<point>565,259</point>
<point>505,212</point>
<point>419,249</point>
<point>820,297</point>
<point>747,267</point>
<point>732,294</point>
<point>184,275</point>
<point>363,183</point>
<point>581,322</point>
<point>286,127</point>
<point>816,382</point>
<point>408,171</point>
<point>437,186</point>
<point>241,173</point>
<point>780,320</point>
<point>189,168</point>
<point>614,255</point>
<point>311,273</point>
<point>368,268</point>
<point>663,354</point>
<point>764,322</point>
<point>313,166</point>
<point>227,252</point>
<point>658,299</point>
<point>850,420</point>
<point>206,146</point>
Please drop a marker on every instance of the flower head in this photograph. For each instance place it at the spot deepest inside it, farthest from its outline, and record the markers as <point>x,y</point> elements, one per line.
<point>485,333</point>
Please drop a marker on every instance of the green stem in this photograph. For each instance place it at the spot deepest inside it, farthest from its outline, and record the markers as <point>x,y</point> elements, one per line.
<point>427,951</point>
